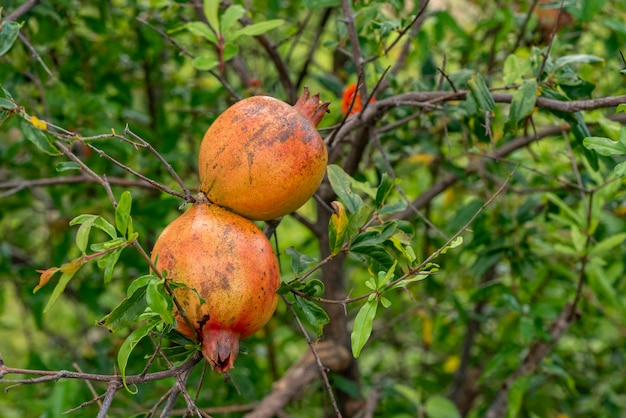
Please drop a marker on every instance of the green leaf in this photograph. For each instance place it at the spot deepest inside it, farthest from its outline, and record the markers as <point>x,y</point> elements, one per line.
<point>205,62</point>
<point>523,102</point>
<point>58,289</point>
<point>40,139</point>
<point>107,245</point>
<point>313,287</point>
<point>229,51</point>
<point>257,28</point>
<point>385,277</point>
<point>313,314</point>
<point>66,166</point>
<point>480,92</point>
<point>608,244</point>
<point>356,221</point>
<point>362,328</point>
<point>604,146</point>
<point>8,35</point>
<point>159,301</point>
<point>399,206</point>
<point>127,348</point>
<point>337,228</point>
<point>201,29</point>
<point>299,262</point>
<point>620,169</point>
<point>621,108</point>
<point>566,209</point>
<point>405,282</point>
<point>441,407</point>
<point>127,311</point>
<point>140,282</point>
<point>99,223</point>
<point>576,59</point>
<point>108,261</point>
<point>384,189</point>
<point>7,104</point>
<point>82,235</point>
<point>341,183</point>
<point>376,235</point>
<point>122,214</point>
<point>230,18</point>
<point>211,8</point>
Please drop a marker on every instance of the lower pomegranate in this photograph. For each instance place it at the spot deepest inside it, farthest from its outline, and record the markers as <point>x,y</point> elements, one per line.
<point>229,262</point>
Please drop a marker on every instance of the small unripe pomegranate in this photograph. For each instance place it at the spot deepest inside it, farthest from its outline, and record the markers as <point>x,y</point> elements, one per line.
<point>263,158</point>
<point>230,263</point>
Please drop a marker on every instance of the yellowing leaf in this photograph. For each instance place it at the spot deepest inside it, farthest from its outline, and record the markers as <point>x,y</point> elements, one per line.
<point>337,227</point>
<point>38,123</point>
<point>427,331</point>
<point>451,364</point>
<point>421,158</point>
<point>45,277</point>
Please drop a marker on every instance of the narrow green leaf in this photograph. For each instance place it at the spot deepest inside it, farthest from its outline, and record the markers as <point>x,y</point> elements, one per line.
<point>384,189</point>
<point>356,222</point>
<point>620,169</point>
<point>257,28</point>
<point>313,314</point>
<point>405,282</point>
<point>205,62</point>
<point>66,166</point>
<point>337,228</point>
<point>230,17</point>
<point>140,282</point>
<point>127,311</point>
<point>608,244</point>
<point>6,104</point>
<point>38,138</point>
<point>576,59</point>
<point>341,183</point>
<point>201,29</point>
<point>211,8</point>
<point>523,102</point>
<point>82,235</point>
<point>441,407</point>
<point>480,92</point>
<point>159,301</point>
<point>299,262</point>
<point>107,245</point>
<point>313,287</point>
<point>127,348</point>
<point>8,35</point>
<point>604,146</point>
<point>390,209</point>
<point>385,277</point>
<point>573,216</point>
<point>58,289</point>
<point>229,51</point>
<point>108,262</point>
<point>362,328</point>
<point>122,213</point>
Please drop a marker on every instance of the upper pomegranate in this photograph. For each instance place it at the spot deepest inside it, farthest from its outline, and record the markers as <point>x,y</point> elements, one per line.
<point>263,158</point>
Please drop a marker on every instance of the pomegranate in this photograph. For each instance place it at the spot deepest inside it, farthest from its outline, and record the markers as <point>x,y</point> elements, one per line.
<point>263,158</point>
<point>347,98</point>
<point>230,263</point>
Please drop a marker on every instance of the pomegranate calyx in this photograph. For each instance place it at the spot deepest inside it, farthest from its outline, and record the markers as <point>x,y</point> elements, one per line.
<point>311,107</point>
<point>220,348</point>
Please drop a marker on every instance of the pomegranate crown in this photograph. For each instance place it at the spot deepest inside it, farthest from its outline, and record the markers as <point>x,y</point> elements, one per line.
<point>311,107</point>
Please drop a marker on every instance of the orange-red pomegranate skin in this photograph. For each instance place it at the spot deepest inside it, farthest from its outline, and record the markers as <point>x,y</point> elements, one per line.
<point>230,263</point>
<point>263,158</point>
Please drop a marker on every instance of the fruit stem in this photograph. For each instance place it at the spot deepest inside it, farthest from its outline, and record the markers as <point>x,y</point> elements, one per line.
<point>311,107</point>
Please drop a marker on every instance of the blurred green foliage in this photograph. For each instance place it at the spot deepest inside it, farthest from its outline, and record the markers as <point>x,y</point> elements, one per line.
<point>96,67</point>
